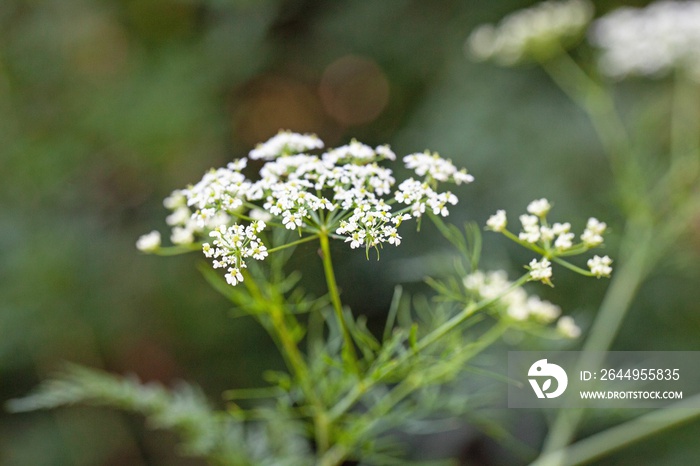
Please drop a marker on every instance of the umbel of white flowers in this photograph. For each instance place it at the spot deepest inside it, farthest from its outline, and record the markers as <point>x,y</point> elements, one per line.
<point>537,32</point>
<point>345,192</point>
<point>553,241</point>
<point>649,41</point>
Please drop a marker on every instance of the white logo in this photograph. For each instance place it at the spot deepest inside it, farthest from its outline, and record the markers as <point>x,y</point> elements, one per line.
<point>542,368</point>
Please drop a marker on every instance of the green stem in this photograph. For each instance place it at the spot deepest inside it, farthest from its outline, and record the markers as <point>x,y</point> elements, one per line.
<point>623,287</point>
<point>360,389</point>
<point>293,243</point>
<point>349,347</point>
<point>296,363</point>
<point>603,443</point>
<point>600,108</point>
<point>572,267</point>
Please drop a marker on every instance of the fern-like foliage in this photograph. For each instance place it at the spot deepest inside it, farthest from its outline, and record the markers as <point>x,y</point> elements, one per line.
<point>205,432</point>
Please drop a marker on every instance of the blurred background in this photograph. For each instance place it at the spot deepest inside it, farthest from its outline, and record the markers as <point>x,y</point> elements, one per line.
<point>108,105</point>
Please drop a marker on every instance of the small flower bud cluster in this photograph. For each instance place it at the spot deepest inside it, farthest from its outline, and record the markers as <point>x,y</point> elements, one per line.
<point>537,32</point>
<point>148,242</point>
<point>344,190</point>
<point>649,41</point>
<point>554,240</point>
<point>600,266</point>
<point>516,303</point>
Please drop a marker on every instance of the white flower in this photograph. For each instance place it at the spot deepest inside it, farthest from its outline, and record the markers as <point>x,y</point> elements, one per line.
<point>435,167</point>
<point>148,242</point>
<point>259,214</point>
<point>181,236</point>
<point>649,41</point>
<point>180,216</point>
<point>600,266</point>
<point>517,304</point>
<point>540,270</point>
<point>561,228</point>
<point>536,32</point>
<point>291,221</point>
<point>234,276</point>
<point>298,191</point>
<point>285,143</point>
<point>385,152</point>
<point>593,234</point>
<point>539,207</point>
<point>498,221</point>
<point>547,234</point>
<point>567,327</point>
<point>543,311</point>
<point>529,221</point>
<point>531,229</point>
<point>176,199</point>
<point>564,241</point>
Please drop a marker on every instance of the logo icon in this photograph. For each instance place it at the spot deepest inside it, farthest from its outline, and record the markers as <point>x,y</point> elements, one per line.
<point>542,369</point>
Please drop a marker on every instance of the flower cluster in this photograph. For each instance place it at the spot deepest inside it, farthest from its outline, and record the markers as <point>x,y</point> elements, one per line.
<point>343,192</point>
<point>537,32</point>
<point>649,41</point>
<point>232,245</point>
<point>516,303</point>
<point>553,241</point>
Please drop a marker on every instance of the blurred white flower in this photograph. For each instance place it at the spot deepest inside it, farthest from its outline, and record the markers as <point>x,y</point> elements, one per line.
<point>516,302</point>
<point>285,143</point>
<point>649,41</point>
<point>539,207</point>
<point>148,242</point>
<point>593,234</point>
<point>567,327</point>
<point>537,32</point>
<point>498,221</point>
<point>540,270</point>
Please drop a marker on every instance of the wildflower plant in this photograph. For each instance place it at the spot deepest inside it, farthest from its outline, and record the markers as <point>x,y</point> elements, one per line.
<point>656,188</point>
<point>349,389</point>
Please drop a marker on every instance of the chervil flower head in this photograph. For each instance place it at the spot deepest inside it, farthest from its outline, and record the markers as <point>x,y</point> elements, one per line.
<point>649,41</point>
<point>533,33</point>
<point>600,266</point>
<point>345,191</point>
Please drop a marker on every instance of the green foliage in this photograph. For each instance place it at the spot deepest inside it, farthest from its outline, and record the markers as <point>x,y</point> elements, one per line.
<point>215,435</point>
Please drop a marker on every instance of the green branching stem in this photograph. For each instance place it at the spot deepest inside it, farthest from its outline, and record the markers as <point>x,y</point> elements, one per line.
<point>623,287</point>
<point>349,347</point>
<point>296,363</point>
<point>360,389</point>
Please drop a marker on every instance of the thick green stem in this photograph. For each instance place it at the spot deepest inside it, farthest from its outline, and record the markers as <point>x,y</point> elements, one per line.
<point>349,352</point>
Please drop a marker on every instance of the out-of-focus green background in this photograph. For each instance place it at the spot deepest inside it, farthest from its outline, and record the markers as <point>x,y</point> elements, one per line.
<point>106,106</point>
